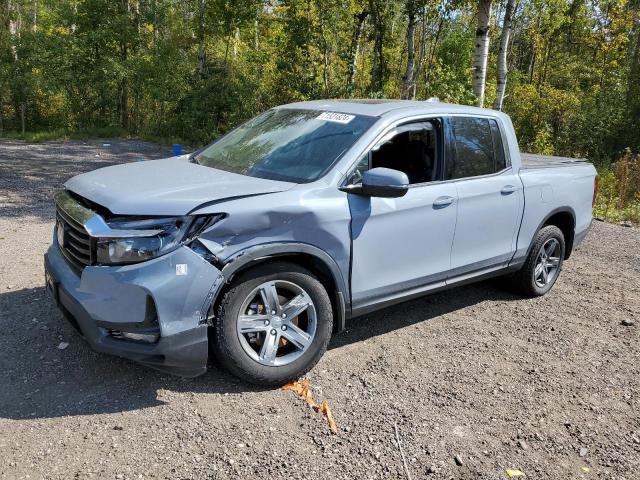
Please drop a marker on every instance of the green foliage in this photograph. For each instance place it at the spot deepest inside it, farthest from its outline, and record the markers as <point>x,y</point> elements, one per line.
<point>608,201</point>
<point>619,190</point>
<point>194,69</point>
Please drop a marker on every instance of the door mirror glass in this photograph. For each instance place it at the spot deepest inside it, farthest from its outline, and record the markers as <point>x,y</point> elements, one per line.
<point>381,182</point>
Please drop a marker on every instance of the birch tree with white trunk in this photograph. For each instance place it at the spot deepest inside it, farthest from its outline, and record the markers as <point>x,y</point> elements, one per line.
<point>502,69</point>
<point>481,53</point>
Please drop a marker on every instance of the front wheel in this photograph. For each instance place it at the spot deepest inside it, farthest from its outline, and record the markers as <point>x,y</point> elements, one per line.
<point>544,263</point>
<point>273,324</point>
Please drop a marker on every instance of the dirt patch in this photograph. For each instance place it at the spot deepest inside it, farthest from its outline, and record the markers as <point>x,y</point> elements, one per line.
<point>547,386</point>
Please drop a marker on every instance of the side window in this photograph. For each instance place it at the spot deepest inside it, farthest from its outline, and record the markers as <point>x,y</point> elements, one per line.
<point>412,148</point>
<point>501,161</point>
<point>473,148</point>
<point>478,148</point>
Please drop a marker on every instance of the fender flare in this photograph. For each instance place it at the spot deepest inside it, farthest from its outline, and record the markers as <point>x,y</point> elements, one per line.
<point>256,253</point>
<point>569,242</point>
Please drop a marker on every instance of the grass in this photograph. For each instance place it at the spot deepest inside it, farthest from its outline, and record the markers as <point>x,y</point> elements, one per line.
<point>36,137</point>
<point>64,134</point>
<point>93,133</point>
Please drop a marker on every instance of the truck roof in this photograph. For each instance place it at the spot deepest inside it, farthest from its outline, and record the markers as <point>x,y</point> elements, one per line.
<point>380,107</point>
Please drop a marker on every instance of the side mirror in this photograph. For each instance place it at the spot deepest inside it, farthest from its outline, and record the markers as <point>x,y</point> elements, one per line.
<point>381,182</point>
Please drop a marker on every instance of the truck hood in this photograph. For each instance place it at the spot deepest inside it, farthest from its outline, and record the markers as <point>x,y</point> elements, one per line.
<point>172,186</point>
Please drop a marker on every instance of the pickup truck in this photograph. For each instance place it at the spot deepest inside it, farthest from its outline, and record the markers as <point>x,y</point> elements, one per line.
<point>260,246</point>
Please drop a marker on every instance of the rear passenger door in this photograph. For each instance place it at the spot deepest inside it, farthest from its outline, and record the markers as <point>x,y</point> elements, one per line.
<point>490,195</point>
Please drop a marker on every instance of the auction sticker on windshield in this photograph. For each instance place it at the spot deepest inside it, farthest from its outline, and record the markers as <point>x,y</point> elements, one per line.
<point>335,117</point>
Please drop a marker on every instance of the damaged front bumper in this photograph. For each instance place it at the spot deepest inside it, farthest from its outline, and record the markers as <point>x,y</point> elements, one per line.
<point>164,300</point>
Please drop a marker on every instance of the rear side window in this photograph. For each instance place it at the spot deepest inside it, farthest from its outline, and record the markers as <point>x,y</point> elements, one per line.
<point>478,148</point>
<point>501,162</point>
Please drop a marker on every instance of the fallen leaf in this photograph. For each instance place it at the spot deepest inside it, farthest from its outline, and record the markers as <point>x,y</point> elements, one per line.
<point>585,469</point>
<point>62,345</point>
<point>302,389</point>
<point>514,473</point>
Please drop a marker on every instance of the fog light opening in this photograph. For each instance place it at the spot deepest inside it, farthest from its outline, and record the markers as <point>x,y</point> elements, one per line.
<point>141,337</point>
<point>135,336</point>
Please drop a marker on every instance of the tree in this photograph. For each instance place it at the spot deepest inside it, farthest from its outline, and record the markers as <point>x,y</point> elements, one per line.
<point>502,55</point>
<point>408,79</point>
<point>379,26</point>
<point>360,20</point>
<point>481,53</point>
<point>633,88</point>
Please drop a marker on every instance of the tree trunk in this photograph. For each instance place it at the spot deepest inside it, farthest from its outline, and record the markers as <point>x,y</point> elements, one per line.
<point>74,10</point>
<point>432,55</point>
<point>34,18</point>
<point>421,53</point>
<point>502,55</point>
<point>408,79</point>
<point>354,51</point>
<point>236,42</point>
<point>532,63</point>
<point>124,100</point>
<point>481,51</point>
<point>23,109</point>
<point>202,54</point>
<point>255,26</point>
<point>378,61</point>
<point>124,55</point>
<point>325,57</point>
<point>633,89</point>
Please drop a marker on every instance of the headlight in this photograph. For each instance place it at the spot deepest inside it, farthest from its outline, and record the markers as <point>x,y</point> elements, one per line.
<point>170,234</point>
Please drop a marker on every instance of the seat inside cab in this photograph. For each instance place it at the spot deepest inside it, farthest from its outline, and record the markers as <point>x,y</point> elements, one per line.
<point>412,149</point>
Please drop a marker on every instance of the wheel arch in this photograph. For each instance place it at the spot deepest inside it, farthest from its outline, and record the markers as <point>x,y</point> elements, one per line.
<point>312,258</point>
<point>565,219</point>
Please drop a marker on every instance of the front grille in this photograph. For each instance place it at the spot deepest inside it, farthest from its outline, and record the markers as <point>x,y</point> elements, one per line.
<point>75,243</point>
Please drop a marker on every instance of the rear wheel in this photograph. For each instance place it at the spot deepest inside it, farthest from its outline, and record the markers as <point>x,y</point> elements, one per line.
<point>544,263</point>
<point>273,324</point>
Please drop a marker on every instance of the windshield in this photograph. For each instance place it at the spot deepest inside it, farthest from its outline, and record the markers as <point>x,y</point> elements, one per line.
<point>290,145</point>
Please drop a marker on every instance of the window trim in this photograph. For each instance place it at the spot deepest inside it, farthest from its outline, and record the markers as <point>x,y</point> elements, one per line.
<point>344,181</point>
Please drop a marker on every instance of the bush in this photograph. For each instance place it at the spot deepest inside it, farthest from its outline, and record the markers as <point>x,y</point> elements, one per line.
<point>619,190</point>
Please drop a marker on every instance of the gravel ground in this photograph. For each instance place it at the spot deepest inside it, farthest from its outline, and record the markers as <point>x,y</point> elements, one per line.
<point>548,386</point>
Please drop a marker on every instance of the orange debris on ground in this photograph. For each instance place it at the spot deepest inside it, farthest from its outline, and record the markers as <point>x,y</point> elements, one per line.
<point>302,389</point>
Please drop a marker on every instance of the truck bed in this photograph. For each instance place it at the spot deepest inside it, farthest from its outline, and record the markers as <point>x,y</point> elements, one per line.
<point>531,160</point>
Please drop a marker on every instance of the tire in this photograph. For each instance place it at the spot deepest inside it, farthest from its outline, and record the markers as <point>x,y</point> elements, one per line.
<point>530,280</point>
<point>245,346</point>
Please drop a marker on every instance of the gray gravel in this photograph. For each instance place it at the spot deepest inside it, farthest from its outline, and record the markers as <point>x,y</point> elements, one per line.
<point>477,380</point>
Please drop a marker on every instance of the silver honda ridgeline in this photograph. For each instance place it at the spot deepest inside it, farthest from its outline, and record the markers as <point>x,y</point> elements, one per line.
<point>261,245</point>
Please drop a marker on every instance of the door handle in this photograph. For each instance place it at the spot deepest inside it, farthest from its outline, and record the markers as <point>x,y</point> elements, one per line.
<point>442,202</point>
<point>507,190</point>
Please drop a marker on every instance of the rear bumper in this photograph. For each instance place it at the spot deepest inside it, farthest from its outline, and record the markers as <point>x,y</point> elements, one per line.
<point>102,300</point>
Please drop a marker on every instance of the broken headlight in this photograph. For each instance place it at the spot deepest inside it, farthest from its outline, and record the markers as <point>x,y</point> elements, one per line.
<point>148,238</point>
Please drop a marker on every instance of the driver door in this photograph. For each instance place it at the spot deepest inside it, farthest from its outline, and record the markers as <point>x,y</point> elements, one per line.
<point>402,245</point>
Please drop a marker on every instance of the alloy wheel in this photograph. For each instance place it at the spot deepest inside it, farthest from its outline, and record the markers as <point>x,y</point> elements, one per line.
<point>277,323</point>
<point>547,263</point>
